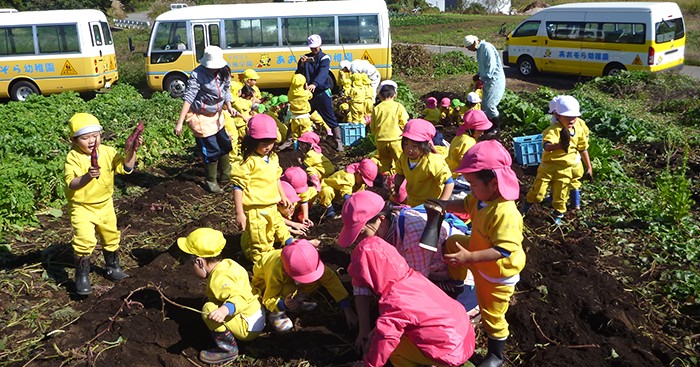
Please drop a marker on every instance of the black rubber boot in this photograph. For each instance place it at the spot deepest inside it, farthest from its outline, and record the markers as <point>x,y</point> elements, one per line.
<point>212,172</point>
<point>338,138</point>
<point>226,349</point>
<point>224,168</point>
<point>112,269</point>
<point>494,358</point>
<point>82,275</point>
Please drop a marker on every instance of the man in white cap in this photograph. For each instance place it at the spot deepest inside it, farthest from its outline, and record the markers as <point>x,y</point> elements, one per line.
<point>315,66</point>
<point>364,67</point>
<point>490,73</point>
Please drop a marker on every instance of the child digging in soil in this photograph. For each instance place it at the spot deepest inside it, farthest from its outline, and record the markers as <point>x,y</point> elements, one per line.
<point>562,142</point>
<point>286,278</point>
<point>232,310</point>
<point>89,177</point>
<point>388,120</point>
<point>295,228</point>
<point>317,165</point>
<point>257,190</point>
<point>345,183</point>
<point>426,172</point>
<point>298,180</point>
<point>494,251</point>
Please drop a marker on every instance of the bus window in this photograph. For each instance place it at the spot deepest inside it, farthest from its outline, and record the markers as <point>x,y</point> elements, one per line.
<point>251,32</point>
<point>96,35</point>
<point>199,41</point>
<point>527,29</point>
<point>213,30</point>
<point>358,29</point>
<point>668,30</point>
<point>563,30</point>
<point>57,39</point>
<point>16,41</point>
<point>297,30</point>
<point>169,36</point>
<point>106,33</point>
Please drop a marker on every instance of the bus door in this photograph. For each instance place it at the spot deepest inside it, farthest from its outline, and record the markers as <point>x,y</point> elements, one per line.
<point>205,34</point>
<point>99,59</point>
<point>563,45</point>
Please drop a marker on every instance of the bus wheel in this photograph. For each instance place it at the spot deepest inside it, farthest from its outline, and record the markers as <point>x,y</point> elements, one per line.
<point>613,69</point>
<point>175,84</point>
<point>22,89</point>
<point>526,66</point>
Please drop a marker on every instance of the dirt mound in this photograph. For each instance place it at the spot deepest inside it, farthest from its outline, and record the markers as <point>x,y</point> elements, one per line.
<point>534,7</point>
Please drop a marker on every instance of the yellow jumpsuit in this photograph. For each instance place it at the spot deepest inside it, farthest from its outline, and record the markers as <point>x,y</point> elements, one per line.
<point>258,180</point>
<point>299,106</point>
<point>458,146</point>
<point>577,170</point>
<point>498,225</point>
<point>91,207</point>
<point>556,169</point>
<point>432,114</point>
<point>318,164</point>
<point>388,120</point>
<point>229,282</point>
<point>358,94</point>
<point>340,183</point>
<point>426,180</point>
<point>272,284</point>
<point>244,107</point>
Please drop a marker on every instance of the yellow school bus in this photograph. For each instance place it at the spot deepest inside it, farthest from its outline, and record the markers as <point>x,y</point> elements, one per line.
<point>267,37</point>
<point>594,39</point>
<point>54,51</point>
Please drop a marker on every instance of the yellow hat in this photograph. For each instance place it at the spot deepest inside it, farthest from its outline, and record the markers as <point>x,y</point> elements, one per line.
<point>203,242</point>
<point>83,123</point>
<point>250,74</point>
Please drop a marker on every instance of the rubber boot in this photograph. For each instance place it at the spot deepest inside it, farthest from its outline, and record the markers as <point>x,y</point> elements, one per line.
<point>494,357</point>
<point>330,211</point>
<point>212,171</point>
<point>338,138</point>
<point>280,322</point>
<point>224,169</point>
<point>112,269</point>
<point>226,349</point>
<point>576,199</point>
<point>82,275</point>
<point>431,232</point>
<point>558,217</point>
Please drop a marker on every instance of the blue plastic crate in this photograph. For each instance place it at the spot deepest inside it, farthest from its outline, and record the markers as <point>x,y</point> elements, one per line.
<point>528,149</point>
<point>351,133</point>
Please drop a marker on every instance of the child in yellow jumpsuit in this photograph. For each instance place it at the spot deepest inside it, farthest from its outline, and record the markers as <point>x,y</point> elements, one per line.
<point>232,310</point>
<point>317,165</point>
<point>300,106</point>
<point>358,96</point>
<point>431,111</point>
<point>426,172</point>
<point>456,111</point>
<point>257,190</point>
<point>562,142</point>
<point>473,101</point>
<point>494,251</point>
<point>242,111</point>
<point>298,179</point>
<point>388,120</point>
<point>89,190</point>
<point>295,228</point>
<point>251,77</point>
<point>346,182</point>
<point>286,278</point>
<point>475,123</point>
<point>344,77</point>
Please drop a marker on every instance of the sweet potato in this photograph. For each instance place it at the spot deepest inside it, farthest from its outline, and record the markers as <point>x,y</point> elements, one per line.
<point>93,157</point>
<point>133,139</point>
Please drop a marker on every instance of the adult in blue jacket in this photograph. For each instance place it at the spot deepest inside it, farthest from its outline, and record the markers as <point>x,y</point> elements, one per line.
<point>490,73</point>
<point>316,66</point>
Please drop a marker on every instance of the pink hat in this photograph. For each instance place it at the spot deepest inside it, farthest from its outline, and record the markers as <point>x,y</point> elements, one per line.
<point>431,102</point>
<point>297,178</point>
<point>474,120</point>
<point>301,262</point>
<point>289,192</point>
<point>357,211</point>
<point>445,102</point>
<point>491,155</point>
<point>313,139</point>
<point>262,126</point>
<point>366,168</point>
<point>420,130</point>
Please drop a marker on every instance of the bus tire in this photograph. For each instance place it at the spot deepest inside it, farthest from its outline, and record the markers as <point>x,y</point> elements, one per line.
<point>526,66</point>
<point>613,69</point>
<point>21,89</point>
<point>175,84</point>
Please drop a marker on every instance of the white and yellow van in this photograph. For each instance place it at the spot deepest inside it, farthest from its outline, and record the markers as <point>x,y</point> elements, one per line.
<point>594,39</point>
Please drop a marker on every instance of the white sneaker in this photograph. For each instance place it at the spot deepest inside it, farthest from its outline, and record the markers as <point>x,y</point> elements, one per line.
<point>280,322</point>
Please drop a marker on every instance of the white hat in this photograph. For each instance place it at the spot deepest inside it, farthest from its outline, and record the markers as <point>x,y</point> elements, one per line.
<point>314,41</point>
<point>470,40</point>
<point>473,97</point>
<point>345,64</point>
<point>389,82</point>
<point>568,106</point>
<point>553,104</point>
<point>213,58</point>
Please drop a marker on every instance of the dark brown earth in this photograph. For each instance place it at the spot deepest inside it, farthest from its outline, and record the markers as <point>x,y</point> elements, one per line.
<point>569,308</point>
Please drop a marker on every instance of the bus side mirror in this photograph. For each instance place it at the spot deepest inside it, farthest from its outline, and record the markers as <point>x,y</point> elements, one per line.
<point>131,45</point>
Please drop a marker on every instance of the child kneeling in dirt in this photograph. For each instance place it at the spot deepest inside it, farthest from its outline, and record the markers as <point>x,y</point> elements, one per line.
<point>89,177</point>
<point>346,182</point>
<point>494,251</point>
<point>285,278</point>
<point>233,311</point>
